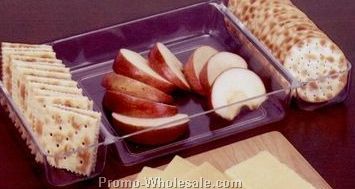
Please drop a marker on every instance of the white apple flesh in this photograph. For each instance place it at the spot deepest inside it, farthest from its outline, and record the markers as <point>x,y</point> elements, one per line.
<point>129,86</point>
<point>236,85</point>
<point>217,64</point>
<point>133,65</point>
<point>164,62</point>
<point>175,127</point>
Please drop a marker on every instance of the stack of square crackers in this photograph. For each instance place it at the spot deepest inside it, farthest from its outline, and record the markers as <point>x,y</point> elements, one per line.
<point>303,49</point>
<point>60,116</point>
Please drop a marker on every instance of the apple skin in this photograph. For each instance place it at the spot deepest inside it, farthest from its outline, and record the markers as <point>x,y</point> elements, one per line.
<point>124,67</point>
<point>123,84</point>
<point>205,85</point>
<point>158,64</point>
<point>136,107</point>
<point>154,137</point>
<point>198,58</point>
<point>189,71</point>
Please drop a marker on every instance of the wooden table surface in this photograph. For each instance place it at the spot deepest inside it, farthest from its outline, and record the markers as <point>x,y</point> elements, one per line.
<point>273,142</point>
<point>326,137</point>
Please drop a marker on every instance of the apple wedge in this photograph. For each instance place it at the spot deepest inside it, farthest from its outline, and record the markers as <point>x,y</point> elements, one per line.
<point>133,65</point>
<point>163,61</point>
<point>136,107</point>
<point>195,64</point>
<point>176,127</point>
<point>217,64</point>
<point>123,84</point>
<point>236,85</point>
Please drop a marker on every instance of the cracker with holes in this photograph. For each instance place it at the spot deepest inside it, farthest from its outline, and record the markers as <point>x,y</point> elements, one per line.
<point>6,60</point>
<point>246,10</point>
<point>263,15</point>
<point>43,73</point>
<point>19,65</point>
<point>28,53</point>
<point>307,53</point>
<point>51,81</point>
<point>55,67</point>
<point>87,112</point>
<point>19,70</point>
<point>59,115</point>
<point>61,131</point>
<point>25,91</point>
<point>78,102</point>
<point>19,79</point>
<point>314,58</point>
<point>8,45</point>
<point>75,102</point>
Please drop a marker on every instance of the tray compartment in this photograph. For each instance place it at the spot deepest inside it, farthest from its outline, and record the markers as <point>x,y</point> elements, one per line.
<point>182,30</point>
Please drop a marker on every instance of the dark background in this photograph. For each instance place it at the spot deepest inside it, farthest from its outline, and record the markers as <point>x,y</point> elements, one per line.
<point>326,137</point>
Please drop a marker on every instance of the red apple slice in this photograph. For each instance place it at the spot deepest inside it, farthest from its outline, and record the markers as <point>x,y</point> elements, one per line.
<point>163,61</point>
<point>176,127</point>
<point>217,64</point>
<point>195,64</point>
<point>136,107</point>
<point>123,84</point>
<point>235,85</point>
<point>133,65</point>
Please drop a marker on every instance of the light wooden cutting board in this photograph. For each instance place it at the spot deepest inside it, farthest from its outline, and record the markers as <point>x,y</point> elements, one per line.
<point>274,142</point>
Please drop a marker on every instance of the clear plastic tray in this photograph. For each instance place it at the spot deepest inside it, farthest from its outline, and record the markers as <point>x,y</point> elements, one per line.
<point>90,56</point>
<point>54,176</point>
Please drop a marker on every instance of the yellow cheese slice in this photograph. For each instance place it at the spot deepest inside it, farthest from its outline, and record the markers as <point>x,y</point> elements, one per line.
<point>148,172</point>
<point>265,171</point>
<point>207,172</point>
<point>177,167</point>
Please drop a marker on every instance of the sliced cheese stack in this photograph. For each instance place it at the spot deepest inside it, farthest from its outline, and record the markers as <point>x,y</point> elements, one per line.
<point>260,171</point>
<point>265,171</point>
<point>61,117</point>
<point>304,50</point>
<point>181,170</point>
